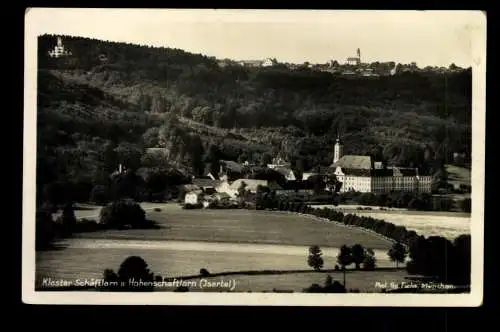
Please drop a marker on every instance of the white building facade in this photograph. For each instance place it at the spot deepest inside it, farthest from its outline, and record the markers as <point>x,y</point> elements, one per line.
<point>359,173</point>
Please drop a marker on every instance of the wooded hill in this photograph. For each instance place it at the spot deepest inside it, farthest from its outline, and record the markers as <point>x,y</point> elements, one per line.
<point>109,101</point>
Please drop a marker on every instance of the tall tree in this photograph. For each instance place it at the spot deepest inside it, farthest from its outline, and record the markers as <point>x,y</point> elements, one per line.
<point>314,258</point>
<point>397,253</point>
<point>344,258</point>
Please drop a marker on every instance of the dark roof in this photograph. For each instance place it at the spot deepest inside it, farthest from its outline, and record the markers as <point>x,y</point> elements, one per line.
<point>382,172</point>
<point>200,182</point>
<point>320,169</point>
<point>407,171</point>
<point>356,171</point>
<point>354,162</point>
<point>395,171</point>
<point>283,170</point>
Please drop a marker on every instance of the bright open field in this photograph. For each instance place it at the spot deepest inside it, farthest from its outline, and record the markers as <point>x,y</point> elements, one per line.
<point>220,241</point>
<point>243,226</point>
<point>88,258</point>
<point>447,224</point>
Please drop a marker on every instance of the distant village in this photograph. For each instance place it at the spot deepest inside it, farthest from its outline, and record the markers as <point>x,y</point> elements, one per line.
<point>353,172</point>
<point>352,66</point>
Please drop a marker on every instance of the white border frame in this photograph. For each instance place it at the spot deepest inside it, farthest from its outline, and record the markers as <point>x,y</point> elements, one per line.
<point>34,27</point>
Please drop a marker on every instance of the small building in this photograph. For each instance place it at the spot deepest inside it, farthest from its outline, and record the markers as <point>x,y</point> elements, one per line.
<point>193,197</point>
<point>206,184</point>
<point>268,62</point>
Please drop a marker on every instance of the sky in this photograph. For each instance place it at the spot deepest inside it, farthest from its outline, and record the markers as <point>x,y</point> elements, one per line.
<point>435,38</point>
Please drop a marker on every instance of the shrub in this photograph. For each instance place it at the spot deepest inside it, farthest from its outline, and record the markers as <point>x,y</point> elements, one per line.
<point>157,209</point>
<point>204,272</point>
<point>337,268</point>
<point>123,213</point>
<point>134,268</point>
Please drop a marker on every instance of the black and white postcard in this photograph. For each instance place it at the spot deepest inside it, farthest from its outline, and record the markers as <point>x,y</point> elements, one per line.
<point>254,157</point>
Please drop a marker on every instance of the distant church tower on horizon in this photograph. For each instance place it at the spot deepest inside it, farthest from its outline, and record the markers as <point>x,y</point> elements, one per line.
<point>59,50</point>
<point>338,150</point>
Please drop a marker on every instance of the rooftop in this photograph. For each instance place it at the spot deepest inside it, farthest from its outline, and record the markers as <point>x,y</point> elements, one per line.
<point>354,162</point>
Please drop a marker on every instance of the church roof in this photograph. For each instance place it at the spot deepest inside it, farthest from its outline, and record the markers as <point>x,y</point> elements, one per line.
<point>354,162</point>
<point>200,182</point>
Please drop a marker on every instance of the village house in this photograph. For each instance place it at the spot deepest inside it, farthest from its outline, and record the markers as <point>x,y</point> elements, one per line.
<point>207,185</point>
<point>194,197</point>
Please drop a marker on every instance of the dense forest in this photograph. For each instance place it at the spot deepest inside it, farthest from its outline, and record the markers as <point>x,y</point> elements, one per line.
<point>107,102</point>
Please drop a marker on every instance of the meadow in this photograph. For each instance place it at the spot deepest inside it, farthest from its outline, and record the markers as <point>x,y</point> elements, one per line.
<point>240,226</point>
<point>447,224</point>
<point>88,258</point>
<point>219,241</point>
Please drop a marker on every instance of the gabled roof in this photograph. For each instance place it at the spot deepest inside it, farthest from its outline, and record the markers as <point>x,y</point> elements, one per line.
<point>189,187</point>
<point>200,182</point>
<point>356,172</point>
<point>354,162</point>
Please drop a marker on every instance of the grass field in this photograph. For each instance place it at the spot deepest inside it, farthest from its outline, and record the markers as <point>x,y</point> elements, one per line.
<point>88,258</point>
<point>243,226</point>
<point>447,224</point>
<point>219,241</point>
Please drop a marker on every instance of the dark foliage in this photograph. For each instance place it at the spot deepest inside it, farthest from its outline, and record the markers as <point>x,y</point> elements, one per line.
<point>123,213</point>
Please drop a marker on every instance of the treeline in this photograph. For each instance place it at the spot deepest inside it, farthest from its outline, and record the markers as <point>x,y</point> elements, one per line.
<point>404,200</point>
<point>394,199</point>
<point>435,256</point>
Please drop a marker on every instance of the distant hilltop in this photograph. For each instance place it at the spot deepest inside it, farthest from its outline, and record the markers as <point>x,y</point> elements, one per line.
<point>353,66</point>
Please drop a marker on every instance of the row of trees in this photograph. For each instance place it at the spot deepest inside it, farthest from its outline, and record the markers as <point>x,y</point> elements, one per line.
<point>434,256</point>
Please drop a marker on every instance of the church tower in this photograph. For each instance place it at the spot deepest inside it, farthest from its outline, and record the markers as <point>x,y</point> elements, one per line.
<point>338,150</point>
